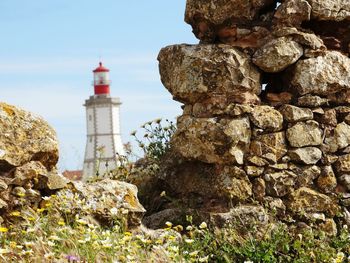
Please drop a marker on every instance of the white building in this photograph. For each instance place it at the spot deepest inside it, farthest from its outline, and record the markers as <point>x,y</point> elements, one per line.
<point>104,141</point>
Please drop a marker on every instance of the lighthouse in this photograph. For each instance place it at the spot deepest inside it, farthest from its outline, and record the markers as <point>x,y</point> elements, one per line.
<point>104,141</point>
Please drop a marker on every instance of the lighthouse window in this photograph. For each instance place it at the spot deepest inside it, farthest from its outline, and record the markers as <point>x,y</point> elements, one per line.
<point>90,117</point>
<point>90,139</point>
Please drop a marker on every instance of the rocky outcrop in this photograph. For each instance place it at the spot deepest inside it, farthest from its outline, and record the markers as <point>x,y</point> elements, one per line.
<point>28,176</point>
<point>241,149</point>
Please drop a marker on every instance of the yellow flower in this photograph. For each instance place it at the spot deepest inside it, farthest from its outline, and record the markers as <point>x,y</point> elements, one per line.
<point>61,223</point>
<point>3,229</point>
<point>40,210</point>
<point>15,213</point>
<point>168,224</point>
<point>203,225</point>
<point>13,244</point>
<point>194,253</point>
<point>127,233</point>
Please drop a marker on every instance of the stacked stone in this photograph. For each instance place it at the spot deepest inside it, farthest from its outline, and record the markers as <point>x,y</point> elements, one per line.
<point>266,120</point>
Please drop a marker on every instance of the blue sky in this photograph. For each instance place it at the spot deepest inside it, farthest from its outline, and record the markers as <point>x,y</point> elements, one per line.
<point>49,48</point>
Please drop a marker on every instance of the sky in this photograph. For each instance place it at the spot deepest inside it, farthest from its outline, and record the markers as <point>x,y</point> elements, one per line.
<point>48,50</point>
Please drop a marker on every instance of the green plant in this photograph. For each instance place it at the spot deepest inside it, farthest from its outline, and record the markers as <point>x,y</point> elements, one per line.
<point>156,138</point>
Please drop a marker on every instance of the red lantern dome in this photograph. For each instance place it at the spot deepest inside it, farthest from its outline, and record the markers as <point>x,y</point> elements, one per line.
<point>101,80</point>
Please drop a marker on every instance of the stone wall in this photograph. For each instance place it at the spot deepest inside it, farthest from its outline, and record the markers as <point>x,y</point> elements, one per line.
<point>265,130</point>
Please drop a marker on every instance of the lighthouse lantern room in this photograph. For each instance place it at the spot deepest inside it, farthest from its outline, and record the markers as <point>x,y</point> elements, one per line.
<point>104,141</point>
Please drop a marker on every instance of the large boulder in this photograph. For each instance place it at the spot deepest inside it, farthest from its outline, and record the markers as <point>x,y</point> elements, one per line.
<point>322,75</point>
<point>194,73</point>
<point>25,137</point>
<point>293,12</point>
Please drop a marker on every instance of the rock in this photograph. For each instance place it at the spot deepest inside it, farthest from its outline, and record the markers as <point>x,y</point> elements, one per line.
<point>275,205</point>
<point>345,180</point>
<point>194,73</point>
<point>3,205</point>
<point>3,185</point>
<point>322,75</point>
<point>245,219</point>
<point>305,39</point>
<point>293,12</point>
<point>35,139</point>
<point>277,55</point>
<point>307,200</point>
<point>307,155</point>
<point>254,171</point>
<point>233,184</point>
<point>278,99</point>
<point>266,118</point>
<point>279,184</point>
<point>342,165</point>
<point>209,141</point>
<point>340,98</point>
<point>311,101</point>
<point>206,16</point>
<point>259,188</point>
<point>329,227</point>
<point>329,117</point>
<point>306,174</point>
<point>294,114</point>
<point>33,196</point>
<point>327,181</point>
<point>340,138</point>
<point>272,147</point>
<point>106,195</point>
<point>27,172</point>
<point>330,10</point>
<point>19,191</point>
<point>304,134</point>
<point>158,220</point>
<point>56,181</point>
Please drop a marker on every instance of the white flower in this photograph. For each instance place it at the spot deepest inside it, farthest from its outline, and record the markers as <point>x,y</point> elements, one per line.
<point>189,228</point>
<point>189,241</point>
<point>203,225</point>
<point>162,194</point>
<point>204,259</point>
<point>168,224</point>
<point>114,211</point>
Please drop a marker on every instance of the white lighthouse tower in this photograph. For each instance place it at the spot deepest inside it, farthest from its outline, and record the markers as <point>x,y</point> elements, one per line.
<point>103,127</point>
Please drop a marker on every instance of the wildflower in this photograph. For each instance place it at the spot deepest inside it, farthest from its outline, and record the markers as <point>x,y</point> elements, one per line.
<point>61,223</point>
<point>40,210</point>
<point>203,225</point>
<point>71,258</point>
<point>158,120</point>
<point>189,228</point>
<point>205,259</point>
<point>50,243</point>
<point>248,261</point>
<point>81,221</point>
<point>49,255</point>
<point>179,228</point>
<point>162,194</point>
<point>189,241</point>
<point>56,238</point>
<point>340,257</point>
<point>3,229</point>
<point>15,213</point>
<point>114,211</point>
<point>13,244</point>
<point>127,233</point>
<point>168,224</point>
<point>194,253</point>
